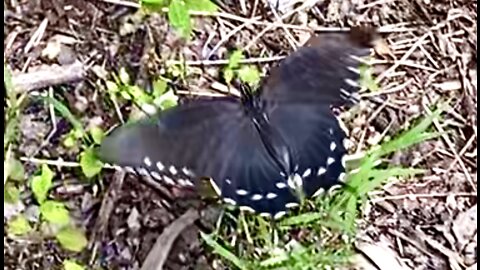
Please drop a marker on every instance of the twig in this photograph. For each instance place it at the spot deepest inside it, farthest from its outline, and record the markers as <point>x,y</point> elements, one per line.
<point>48,76</point>
<point>57,163</point>
<point>290,38</point>
<point>159,252</point>
<point>37,36</point>
<point>108,204</point>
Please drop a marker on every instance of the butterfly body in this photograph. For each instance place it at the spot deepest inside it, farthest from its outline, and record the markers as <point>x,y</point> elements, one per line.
<point>263,151</point>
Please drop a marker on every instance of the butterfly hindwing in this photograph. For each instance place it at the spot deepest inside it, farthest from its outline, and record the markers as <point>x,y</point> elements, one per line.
<point>314,134</point>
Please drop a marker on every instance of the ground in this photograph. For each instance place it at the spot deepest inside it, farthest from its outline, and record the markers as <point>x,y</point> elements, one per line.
<point>429,55</point>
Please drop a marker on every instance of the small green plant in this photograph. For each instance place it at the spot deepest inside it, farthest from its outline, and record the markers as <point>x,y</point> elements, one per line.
<point>89,163</point>
<point>179,12</point>
<point>19,226</point>
<point>161,97</point>
<point>246,73</point>
<point>52,214</point>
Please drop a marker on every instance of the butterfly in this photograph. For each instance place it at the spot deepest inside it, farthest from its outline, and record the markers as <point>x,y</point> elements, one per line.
<point>265,150</point>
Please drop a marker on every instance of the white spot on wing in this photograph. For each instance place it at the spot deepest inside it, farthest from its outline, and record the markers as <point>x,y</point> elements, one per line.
<point>160,166</point>
<point>184,183</point>
<point>256,197</point>
<point>345,94</point>
<point>291,205</point>
<point>321,171</point>
<point>147,161</point>
<point>228,181</point>
<point>187,172</point>
<point>319,192</point>
<point>341,177</point>
<point>181,182</point>
<point>279,214</point>
<point>295,181</point>
<point>307,172</point>
<point>351,82</point>
<point>271,195</point>
<point>156,175</point>
<point>215,187</point>
<point>142,171</point>
<point>354,70</point>
<point>230,201</point>
<point>265,215</point>
<point>168,180</point>
<point>241,192</point>
<point>330,160</point>
<point>247,209</point>
<point>280,185</point>
<point>333,145</point>
<point>172,170</point>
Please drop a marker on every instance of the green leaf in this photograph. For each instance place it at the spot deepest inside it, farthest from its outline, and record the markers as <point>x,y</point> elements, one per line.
<point>139,95</point>
<point>249,74</point>
<point>366,78</point>
<point>55,212</point>
<point>72,265</point>
<point>42,183</point>
<point>166,100</point>
<point>179,17</point>
<point>11,194</point>
<point>228,75</point>
<point>201,5</point>
<point>97,134</point>
<point>111,87</point>
<point>14,169</point>
<point>72,239</point>
<point>19,226</point>
<point>154,2</point>
<point>159,87</point>
<point>70,140</point>
<point>234,59</point>
<point>89,163</point>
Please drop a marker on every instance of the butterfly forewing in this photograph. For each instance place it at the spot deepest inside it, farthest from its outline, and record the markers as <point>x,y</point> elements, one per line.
<point>179,142</point>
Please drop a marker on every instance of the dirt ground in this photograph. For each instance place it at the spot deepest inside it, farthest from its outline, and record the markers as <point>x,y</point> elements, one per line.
<point>429,222</point>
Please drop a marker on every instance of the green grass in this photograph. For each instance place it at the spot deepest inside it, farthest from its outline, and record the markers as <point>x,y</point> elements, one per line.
<point>321,234</point>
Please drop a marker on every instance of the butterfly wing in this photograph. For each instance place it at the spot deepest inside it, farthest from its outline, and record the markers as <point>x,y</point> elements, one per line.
<point>203,139</point>
<point>178,143</point>
<point>323,71</point>
<point>315,136</point>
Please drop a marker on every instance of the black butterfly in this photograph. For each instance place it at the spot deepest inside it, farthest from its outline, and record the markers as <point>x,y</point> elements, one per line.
<point>265,150</point>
